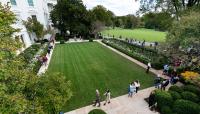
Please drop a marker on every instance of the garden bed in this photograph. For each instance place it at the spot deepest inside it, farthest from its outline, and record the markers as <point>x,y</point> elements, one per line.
<point>139,53</point>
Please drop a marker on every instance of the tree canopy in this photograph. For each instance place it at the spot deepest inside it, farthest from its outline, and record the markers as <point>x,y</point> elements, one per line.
<point>186,32</point>
<point>70,15</point>
<point>21,90</point>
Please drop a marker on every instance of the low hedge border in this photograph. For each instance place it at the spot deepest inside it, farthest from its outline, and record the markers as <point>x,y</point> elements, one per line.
<point>143,59</point>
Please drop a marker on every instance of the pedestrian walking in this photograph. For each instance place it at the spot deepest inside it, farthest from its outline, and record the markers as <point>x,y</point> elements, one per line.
<point>97,100</point>
<point>164,84</point>
<point>132,89</point>
<point>137,85</point>
<point>107,94</point>
<point>157,81</point>
<point>148,67</point>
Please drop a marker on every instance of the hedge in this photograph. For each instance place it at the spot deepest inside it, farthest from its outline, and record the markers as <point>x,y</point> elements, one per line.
<point>186,107</point>
<point>166,110</point>
<point>157,63</point>
<point>190,96</point>
<point>176,89</point>
<point>97,111</point>
<point>175,95</point>
<point>192,88</point>
<point>163,98</point>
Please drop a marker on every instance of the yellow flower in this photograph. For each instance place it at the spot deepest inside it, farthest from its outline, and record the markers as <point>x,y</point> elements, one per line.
<point>189,75</point>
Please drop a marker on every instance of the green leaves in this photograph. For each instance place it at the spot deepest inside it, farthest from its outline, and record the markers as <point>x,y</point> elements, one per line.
<point>34,26</point>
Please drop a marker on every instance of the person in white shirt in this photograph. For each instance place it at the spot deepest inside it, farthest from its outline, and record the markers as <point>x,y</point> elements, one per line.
<point>137,85</point>
<point>107,94</point>
<point>148,67</point>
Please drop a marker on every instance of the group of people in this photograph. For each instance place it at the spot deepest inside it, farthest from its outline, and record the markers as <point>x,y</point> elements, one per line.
<point>161,84</point>
<point>43,58</point>
<point>107,95</point>
<point>133,88</point>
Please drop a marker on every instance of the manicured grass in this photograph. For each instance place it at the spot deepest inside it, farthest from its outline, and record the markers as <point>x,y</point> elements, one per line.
<point>139,34</point>
<point>91,66</point>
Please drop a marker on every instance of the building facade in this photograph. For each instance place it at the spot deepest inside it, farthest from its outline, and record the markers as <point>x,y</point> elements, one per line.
<point>37,9</point>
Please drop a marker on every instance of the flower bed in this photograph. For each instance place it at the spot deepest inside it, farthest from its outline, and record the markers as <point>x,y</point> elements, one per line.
<point>30,56</point>
<point>142,54</point>
<point>191,77</point>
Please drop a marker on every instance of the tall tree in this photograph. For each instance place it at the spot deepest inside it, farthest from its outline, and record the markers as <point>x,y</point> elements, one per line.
<point>186,32</point>
<point>172,6</point>
<point>21,90</point>
<point>160,21</point>
<point>70,15</point>
<point>8,44</point>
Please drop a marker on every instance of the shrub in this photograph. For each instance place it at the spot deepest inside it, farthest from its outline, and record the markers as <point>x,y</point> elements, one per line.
<point>90,40</point>
<point>192,88</point>
<point>62,41</point>
<point>190,96</point>
<point>97,111</point>
<point>163,98</point>
<point>175,95</point>
<point>166,110</point>
<point>185,107</point>
<point>176,88</point>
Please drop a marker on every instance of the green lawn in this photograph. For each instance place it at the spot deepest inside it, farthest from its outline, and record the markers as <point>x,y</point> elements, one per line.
<point>139,34</point>
<point>91,66</point>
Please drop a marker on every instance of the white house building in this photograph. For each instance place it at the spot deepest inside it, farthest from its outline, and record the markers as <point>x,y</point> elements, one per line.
<point>38,9</point>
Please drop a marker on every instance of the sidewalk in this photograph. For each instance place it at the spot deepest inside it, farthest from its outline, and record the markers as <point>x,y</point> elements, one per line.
<point>123,105</point>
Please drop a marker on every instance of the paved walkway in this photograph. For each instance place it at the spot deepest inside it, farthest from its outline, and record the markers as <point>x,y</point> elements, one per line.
<point>122,105</point>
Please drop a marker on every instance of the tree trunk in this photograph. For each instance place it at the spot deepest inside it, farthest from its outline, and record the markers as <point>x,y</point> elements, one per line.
<point>176,9</point>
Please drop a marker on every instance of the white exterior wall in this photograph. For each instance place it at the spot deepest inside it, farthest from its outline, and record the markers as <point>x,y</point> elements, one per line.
<point>23,11</point>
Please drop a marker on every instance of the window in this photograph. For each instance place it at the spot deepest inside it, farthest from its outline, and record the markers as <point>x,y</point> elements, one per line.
<point>30,3</point>
<point>34,17</point>
<point>13,2</point>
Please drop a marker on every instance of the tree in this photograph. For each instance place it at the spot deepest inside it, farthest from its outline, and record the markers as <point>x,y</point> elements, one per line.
<point>131,22</point>
<point>103,15</point>
<point>160,21</point>
<point>21,90</point>
<point>186,32</point>
<point>8,44</point>
<point>172,6</point>
<point>70,15</point>
<point>34,26</point>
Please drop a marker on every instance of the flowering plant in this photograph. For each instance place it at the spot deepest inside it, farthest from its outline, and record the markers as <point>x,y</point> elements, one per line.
<point>189,75</point>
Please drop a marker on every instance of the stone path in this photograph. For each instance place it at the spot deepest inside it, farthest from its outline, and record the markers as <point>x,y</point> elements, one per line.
<point>122,105</point>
